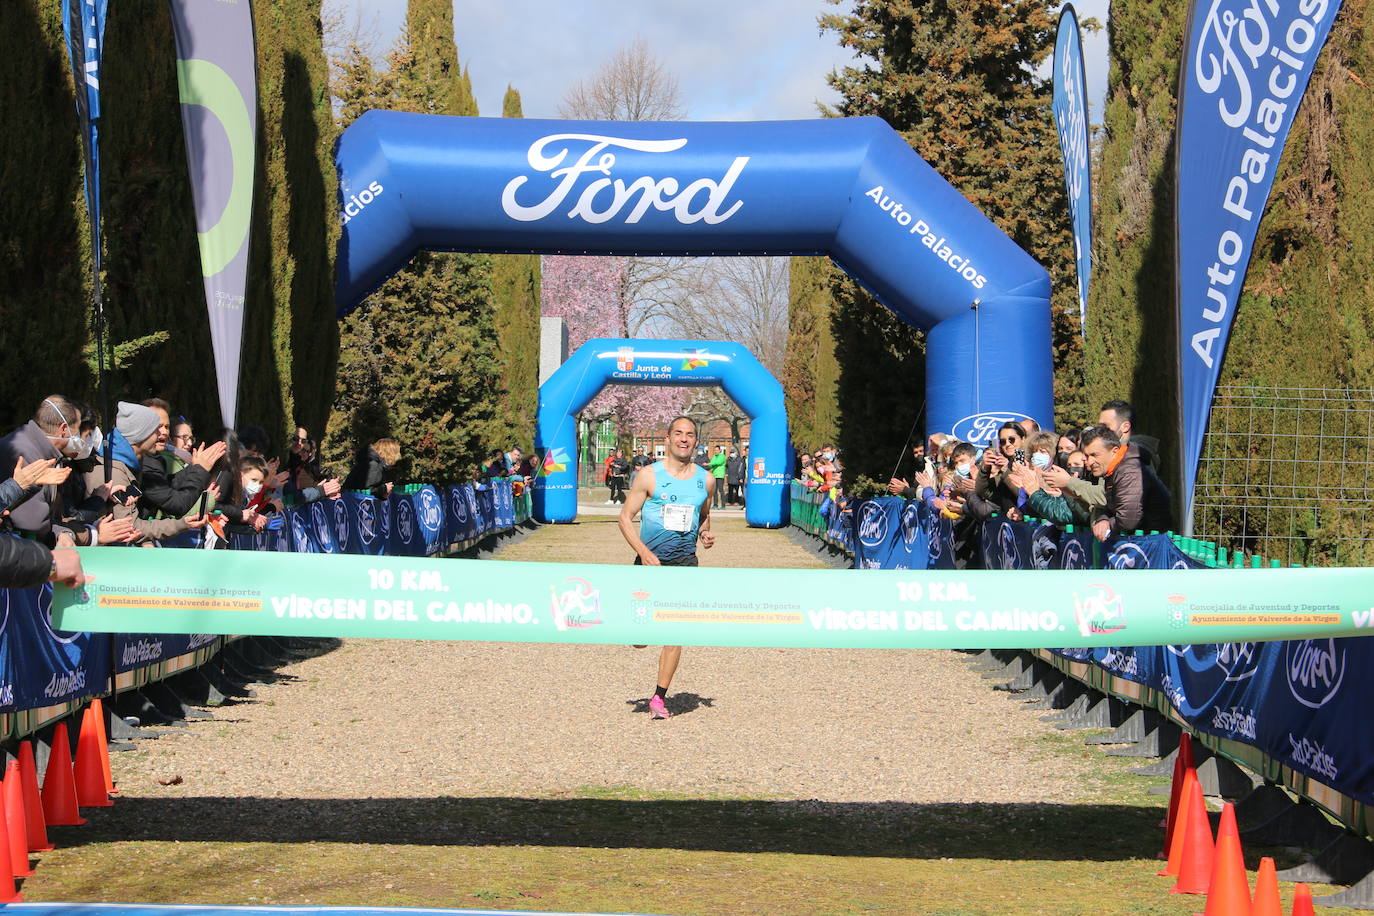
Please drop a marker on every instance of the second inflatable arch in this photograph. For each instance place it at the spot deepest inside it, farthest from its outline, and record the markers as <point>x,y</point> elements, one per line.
<point>608,361</point>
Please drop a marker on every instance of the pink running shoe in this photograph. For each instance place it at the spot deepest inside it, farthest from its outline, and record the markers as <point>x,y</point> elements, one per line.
<point>657,710</point>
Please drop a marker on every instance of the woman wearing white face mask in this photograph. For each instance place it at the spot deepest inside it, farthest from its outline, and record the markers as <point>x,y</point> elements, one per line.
<point>53,433</point>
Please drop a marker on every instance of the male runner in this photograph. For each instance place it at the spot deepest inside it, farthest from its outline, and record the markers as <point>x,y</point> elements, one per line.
<point>677,513</point>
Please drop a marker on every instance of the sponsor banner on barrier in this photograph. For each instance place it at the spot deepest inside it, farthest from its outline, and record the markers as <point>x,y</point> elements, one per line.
<point>135,650</point>
<point>891,533</point>
<point>44,664</point>
<point>323,595</point>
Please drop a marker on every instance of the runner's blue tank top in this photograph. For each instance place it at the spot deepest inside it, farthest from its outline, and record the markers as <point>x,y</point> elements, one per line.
<point>673,498</point>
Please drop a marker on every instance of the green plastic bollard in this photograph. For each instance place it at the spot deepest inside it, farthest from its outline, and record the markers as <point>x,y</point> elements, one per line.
<point>1222,559</point>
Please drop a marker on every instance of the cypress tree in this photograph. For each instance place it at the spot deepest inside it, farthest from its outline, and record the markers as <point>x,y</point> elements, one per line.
<point>958,82</point>
<point>1130,351</point>
<point>153,288</point>
<point>1305,318</point>
<point>515,284</point>
<point>437,85</point>
<point>292,354</point>
<point>44,255</point>
<point>810,370</point>
<point>419,359</point>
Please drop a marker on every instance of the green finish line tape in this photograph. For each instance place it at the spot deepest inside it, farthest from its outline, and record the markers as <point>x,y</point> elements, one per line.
<point>288,594</point>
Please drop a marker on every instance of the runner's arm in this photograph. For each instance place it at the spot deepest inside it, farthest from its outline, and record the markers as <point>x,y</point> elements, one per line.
<point>704,533</point>
<point>641,489</point>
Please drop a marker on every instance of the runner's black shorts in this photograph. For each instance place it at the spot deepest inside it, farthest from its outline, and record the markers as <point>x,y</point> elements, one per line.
<point>686,561</point>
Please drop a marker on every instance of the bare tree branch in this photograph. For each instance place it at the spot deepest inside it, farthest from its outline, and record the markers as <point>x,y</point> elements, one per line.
<point>632,86</point>
<point>738,299</point>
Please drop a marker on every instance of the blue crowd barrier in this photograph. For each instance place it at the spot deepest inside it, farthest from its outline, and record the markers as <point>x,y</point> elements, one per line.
<point>1295,702</point>
<point>41,668</point>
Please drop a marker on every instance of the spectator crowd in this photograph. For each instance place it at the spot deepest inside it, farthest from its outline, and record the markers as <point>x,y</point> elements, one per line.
<point>151,481</point>
<point>1102,477</point>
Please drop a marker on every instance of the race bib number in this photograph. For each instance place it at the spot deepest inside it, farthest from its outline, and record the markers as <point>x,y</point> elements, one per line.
<point>677,518</point>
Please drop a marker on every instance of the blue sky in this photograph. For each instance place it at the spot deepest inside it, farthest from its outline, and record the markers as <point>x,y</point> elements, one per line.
<point>740,60</point>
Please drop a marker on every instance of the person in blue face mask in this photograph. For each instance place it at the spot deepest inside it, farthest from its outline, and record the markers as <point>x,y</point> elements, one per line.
<point>1045,498</point>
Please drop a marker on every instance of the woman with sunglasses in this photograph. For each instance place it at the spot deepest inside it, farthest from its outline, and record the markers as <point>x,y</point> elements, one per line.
<point>993,486</point>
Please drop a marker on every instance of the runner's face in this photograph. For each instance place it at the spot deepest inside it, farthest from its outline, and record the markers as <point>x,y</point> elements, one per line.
<point>682,440</point>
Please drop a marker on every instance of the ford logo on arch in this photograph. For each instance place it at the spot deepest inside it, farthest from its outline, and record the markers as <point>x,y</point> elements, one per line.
<point>981,428</point>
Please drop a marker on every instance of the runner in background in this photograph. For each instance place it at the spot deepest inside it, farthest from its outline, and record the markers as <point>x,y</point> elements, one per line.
<point>674,494</point>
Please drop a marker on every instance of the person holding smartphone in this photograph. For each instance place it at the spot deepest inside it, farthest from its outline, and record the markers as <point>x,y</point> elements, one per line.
<point>135,436</point>
<point>992,486</point>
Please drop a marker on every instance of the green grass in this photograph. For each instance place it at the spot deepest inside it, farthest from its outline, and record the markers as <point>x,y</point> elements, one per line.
<point>619,848</point>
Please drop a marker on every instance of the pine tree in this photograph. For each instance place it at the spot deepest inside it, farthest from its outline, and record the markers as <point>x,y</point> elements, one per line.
<point>515,284</point>
<point>419,359</point>
<point>958,81</point>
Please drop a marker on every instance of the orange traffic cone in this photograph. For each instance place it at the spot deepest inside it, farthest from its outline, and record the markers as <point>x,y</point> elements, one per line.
<point>12,796</point>
<point>1185,751</point>
<point>1171,817</point>
<point>7,892</point>
<point>33,803</point>
<point>1228,894</point>
<point>1302,900</point>
<point>1171,867</point>
<point>1266,902</point>
<point>90,776</point>
<point>1195,865</point>
<point>99,713</point>
<point>59,785</point>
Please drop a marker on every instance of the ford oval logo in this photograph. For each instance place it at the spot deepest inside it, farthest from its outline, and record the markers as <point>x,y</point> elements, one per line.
<point>981,428</point>
<point>1240,660</point>
<point>1315,669</point>
<point>872,525</point>
<point>1128,556</point>
<point>911,524</point>
<point>431,516</point>
<point>1007,547</point>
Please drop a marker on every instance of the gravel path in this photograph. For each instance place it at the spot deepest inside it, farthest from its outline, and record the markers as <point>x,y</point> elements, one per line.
<point>382,718</point>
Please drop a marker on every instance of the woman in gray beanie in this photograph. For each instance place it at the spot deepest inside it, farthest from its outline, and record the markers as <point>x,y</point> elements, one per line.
<point>136,428</point>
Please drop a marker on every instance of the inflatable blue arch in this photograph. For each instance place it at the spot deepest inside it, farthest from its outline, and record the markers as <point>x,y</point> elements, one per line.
<point>601,362</point>
<point>847,187</point>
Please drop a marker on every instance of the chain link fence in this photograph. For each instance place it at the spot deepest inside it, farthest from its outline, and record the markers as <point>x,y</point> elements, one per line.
<point>1288,474</point>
